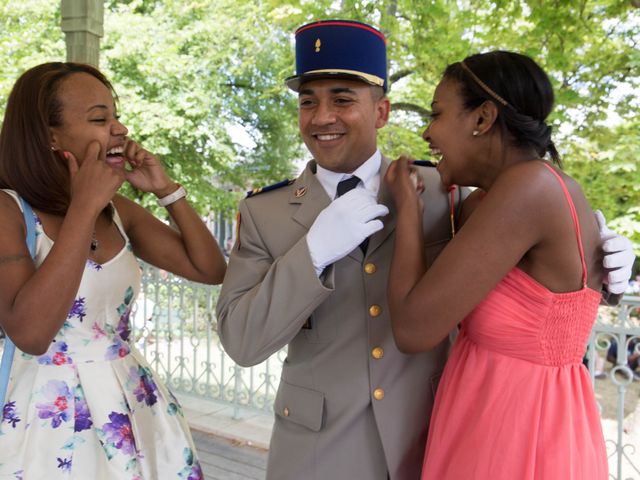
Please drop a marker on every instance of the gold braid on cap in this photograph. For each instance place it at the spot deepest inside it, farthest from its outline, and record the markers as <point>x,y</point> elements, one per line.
<point>486,87</point>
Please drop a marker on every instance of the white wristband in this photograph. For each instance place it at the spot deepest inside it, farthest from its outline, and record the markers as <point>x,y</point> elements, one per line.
<point>173,197</point>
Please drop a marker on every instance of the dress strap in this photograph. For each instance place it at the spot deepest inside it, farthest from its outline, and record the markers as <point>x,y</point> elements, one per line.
<point>576,222</point>
<point>118,221</point>
<point>13,194</point>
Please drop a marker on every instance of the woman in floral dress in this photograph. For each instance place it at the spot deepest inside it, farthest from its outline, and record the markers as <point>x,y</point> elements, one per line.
<point>82,403</point>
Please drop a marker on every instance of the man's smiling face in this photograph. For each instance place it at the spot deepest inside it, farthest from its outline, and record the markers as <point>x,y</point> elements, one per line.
<point>339,119</point>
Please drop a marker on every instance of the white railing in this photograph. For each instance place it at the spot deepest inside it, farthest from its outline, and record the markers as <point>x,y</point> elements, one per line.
<point>611,356</point>
<point>174,326</point>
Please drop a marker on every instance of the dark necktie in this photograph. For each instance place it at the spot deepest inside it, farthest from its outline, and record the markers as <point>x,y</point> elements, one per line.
<point>343,187</point>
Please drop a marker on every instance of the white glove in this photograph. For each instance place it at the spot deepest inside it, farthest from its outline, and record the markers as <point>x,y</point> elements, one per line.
<point>618,257</point>
<point>342,226</point>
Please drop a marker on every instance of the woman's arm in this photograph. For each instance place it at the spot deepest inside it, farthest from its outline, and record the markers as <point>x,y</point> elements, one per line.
<point>191,251</point>
<point>34,303</point>
<point>426,305</point>
<point>469,205</point>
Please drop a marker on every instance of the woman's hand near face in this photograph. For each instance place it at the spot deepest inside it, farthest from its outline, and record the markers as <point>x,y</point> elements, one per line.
<point>404,183</point>
<point>146,172</point>
<point>94,182</point>
<point>34,303</point>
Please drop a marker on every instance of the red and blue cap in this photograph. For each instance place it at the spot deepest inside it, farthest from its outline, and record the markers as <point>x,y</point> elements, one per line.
<point>340,49</point>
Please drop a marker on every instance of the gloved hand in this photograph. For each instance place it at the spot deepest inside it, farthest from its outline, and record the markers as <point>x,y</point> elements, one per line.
<point>342,226</point>
<point>618,257</point>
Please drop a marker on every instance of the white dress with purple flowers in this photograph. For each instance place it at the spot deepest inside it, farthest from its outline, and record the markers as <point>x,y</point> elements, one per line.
<point>91,408</point>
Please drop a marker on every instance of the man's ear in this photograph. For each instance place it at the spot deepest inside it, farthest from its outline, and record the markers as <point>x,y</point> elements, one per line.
<point>487,116</point>
<point>383,107</point>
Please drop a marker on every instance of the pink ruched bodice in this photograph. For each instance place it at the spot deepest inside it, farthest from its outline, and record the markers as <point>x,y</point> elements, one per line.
<point>523,319</point>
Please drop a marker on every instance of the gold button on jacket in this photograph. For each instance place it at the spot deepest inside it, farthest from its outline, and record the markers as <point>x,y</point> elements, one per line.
<point>271,289</point>
<point>377,353</point>
<point>370,268</point>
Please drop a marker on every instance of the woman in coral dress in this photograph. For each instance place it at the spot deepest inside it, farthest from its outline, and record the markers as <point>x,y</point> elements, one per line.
<point>82,403</point>
<point>521,278</point>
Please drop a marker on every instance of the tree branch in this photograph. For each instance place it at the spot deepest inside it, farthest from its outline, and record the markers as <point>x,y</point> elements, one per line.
<point>401,74</point>
<point>245,86</point>
<point>412,107</point>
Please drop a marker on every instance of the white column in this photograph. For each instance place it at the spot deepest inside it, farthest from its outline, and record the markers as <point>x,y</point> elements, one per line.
<point>82,23</point>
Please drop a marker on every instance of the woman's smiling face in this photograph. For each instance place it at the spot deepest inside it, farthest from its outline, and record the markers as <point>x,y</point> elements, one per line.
<point>88,113</point>
<point>450,132</point>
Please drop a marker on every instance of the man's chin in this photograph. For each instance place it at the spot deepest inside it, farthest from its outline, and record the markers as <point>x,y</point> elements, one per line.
<point>336,166</point>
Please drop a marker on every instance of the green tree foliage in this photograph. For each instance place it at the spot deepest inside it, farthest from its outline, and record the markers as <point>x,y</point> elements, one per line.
<point>189,74</point>
<point>29,34</point>
<point>589,48</point>
<point>195,76</point>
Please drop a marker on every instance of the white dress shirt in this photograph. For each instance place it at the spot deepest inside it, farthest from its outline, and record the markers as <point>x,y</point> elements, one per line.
<point>368,172</point>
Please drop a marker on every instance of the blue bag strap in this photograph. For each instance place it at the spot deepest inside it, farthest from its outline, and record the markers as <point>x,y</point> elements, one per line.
<point>30,222</point>
<point>9,347</point>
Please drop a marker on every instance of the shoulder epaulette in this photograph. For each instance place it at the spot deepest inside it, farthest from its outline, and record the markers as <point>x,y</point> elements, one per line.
<point>268,188</point>
<point>423,163</point>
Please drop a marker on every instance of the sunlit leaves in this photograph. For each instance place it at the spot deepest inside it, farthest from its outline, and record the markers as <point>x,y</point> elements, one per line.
<point>201,81</point>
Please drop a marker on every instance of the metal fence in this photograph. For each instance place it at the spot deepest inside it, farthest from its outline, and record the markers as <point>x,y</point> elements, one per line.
<point>174,326</point>
<point>613,357</point>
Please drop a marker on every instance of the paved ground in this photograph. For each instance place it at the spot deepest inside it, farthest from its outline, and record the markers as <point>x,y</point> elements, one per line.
<point>231,445</point>
<point>223,459</point>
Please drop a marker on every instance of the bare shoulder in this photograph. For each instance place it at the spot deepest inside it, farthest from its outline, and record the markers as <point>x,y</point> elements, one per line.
<point>127,209</point>
<point>527,183</point>
<point>10,212</point>
<point>13,231</point>
<point>532,173</point>
<point>522,199</point>
<point>542,183</point>
<point>537,199</point>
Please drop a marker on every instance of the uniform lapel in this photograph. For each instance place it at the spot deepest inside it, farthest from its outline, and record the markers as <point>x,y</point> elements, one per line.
<point>312,198</point>
<point>390,220</point>
<point>309,194</point>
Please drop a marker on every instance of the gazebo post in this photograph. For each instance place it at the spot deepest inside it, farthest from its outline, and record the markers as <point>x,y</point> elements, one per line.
<point>82,23</point>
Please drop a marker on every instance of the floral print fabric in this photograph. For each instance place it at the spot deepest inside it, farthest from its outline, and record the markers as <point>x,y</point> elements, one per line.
<point>91,407</point>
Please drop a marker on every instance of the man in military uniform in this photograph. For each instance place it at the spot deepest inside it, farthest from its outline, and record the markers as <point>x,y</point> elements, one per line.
<point>350,405</point>
<point>309,270</point>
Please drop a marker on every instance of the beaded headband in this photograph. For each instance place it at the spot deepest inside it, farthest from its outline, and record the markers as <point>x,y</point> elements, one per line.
<point>485,87</point>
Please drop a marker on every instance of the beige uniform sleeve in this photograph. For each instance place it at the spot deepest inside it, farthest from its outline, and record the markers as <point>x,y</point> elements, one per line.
<point>265,301</point>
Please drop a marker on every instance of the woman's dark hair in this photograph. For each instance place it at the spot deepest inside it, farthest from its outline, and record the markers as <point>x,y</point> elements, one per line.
<point>28,165</point>
<point>515,79</point>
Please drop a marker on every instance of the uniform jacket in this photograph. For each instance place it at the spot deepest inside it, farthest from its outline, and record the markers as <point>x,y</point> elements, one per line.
<point>349,405</point>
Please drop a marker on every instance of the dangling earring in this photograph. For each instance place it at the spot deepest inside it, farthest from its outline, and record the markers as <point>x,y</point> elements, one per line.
<point>475,133</point>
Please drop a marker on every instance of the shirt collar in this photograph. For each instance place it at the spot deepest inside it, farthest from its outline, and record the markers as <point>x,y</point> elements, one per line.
<point>368,172</point>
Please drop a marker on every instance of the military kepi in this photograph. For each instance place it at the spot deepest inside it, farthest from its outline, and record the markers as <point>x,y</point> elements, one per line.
<point>339,49</point>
